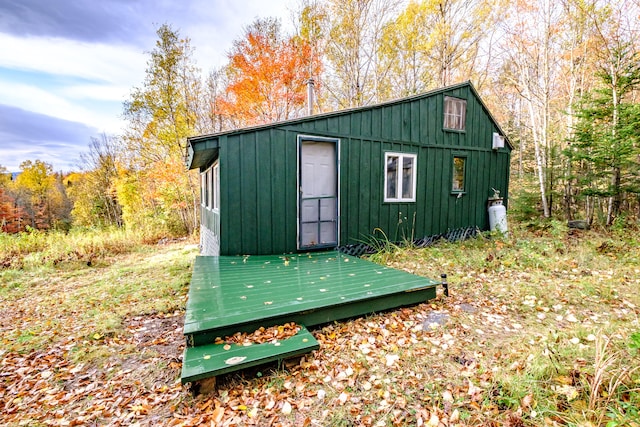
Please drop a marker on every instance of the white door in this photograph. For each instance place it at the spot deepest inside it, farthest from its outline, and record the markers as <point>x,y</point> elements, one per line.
<point>318,198</point>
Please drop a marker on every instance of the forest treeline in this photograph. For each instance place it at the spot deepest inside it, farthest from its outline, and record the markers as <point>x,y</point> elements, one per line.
<point>562,78</point>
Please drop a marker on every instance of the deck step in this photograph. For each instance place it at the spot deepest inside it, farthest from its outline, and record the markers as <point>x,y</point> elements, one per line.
<point>210,360</point>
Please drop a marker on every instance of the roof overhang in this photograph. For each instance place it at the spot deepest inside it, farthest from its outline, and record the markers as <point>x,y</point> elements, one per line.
<point>201,152</point>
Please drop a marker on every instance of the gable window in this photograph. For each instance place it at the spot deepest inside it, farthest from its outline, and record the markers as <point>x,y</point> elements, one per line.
<point>455,112</point>
<point>458,184</point>
<point>400,177</point>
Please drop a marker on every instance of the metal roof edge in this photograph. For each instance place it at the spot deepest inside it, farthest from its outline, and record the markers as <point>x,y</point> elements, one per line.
<point>199,138</point>
<point>331,113</point>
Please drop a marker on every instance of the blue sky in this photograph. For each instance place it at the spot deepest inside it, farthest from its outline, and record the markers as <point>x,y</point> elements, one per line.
<point>66,66</point>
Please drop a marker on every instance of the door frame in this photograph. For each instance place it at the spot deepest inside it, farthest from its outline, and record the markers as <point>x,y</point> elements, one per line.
<point>312,138</point>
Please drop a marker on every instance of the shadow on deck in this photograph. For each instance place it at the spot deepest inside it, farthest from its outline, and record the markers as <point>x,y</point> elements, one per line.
<point>243,293</point>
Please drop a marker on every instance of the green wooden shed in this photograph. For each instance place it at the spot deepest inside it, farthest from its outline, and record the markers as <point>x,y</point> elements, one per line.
<point>410,168</point>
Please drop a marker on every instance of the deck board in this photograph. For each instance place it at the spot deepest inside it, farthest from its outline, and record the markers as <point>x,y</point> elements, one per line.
<point>216,359</point>
<point>230,294</point>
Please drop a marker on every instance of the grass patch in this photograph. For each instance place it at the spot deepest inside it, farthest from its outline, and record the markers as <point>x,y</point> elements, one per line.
<point>36,248</point>
<point>547,294</point>
<point>541,328</point>
<point>89,301</point>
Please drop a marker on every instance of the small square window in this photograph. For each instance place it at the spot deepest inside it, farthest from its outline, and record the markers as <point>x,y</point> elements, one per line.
<point>400,177</point>
<point>455,112</point>
<point>458,184</point>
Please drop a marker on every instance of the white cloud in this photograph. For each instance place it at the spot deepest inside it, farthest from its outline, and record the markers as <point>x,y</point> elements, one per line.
<point>118,93</point>
<point>63,157</point>
<point>90,72</point>
<point>85,82</point>
<point>47,102</point>
<point>117,64</point>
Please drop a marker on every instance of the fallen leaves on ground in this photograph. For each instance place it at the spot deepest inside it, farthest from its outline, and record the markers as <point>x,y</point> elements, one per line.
<point>46,386</point>
<point>262,335</point>
<point>512,346</point>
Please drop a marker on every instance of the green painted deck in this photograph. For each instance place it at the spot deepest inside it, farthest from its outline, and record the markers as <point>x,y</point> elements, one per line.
<point>240,294</point>
<point>230,294</point>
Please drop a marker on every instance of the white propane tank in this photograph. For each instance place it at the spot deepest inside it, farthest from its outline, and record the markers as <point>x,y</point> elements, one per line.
<point>498,218</point>
<point>497,214</point>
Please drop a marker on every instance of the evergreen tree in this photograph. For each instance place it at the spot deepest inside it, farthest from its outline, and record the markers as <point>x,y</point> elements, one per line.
<point>606,144</point>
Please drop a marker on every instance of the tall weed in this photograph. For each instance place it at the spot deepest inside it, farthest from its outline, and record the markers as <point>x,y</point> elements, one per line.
<point>612,383</point>
<point>383,248</point>
<point>35,248</point>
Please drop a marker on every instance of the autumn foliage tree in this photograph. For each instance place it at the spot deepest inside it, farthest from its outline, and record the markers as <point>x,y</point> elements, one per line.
<point>36,199</point>
<point>8,218</point>
<point>41,195</point>
<point>161,114</point>
<point>267,75</point>
<point>93,190</point>
<point>11,214</point>
<point>560,72</point>
<point>553,59</point>
<point>402,52</point>
<point>354,32</point>
<point>34,185</point>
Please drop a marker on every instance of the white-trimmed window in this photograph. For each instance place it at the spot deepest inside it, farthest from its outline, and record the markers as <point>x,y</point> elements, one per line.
<point>210,183</point>
<point>216,187</point>
<point>400,170</point>
<point>203,189</point>
<point>459,168</point>
<point>209,188</point>
<point>455,112</point>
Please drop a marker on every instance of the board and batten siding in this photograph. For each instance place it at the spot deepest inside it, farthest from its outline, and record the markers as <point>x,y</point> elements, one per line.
<point>258,167</point>
<point>258,192</point>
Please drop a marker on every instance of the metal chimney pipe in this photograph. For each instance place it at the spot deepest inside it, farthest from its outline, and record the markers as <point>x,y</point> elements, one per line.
<point>310,94</point>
